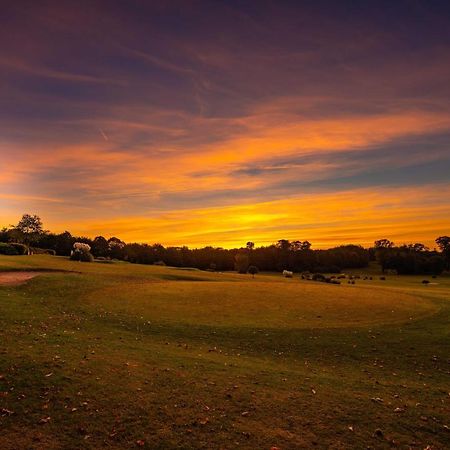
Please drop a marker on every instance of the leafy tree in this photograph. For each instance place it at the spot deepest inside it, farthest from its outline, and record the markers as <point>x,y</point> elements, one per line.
<point>382,254</point>
<point>64,243</point>
<point>100,246</point>
<point>299,245</point>
<point>384,243</point>
<point>443,242</point>
<point>29,224</point>
<point>417,247</point>
<point>253,270</point>
<point>4,235</point>
<point>116,248</point>
<point>29,229</point>
<point>241,262</point>
<point>283,245</point>
<point>250,245</point>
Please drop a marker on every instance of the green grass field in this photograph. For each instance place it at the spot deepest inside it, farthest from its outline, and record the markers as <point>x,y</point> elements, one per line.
<point>126,356</point>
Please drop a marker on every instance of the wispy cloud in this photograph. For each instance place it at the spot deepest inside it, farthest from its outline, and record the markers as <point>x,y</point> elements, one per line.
<point>41,71</point>
<point>209,124</point>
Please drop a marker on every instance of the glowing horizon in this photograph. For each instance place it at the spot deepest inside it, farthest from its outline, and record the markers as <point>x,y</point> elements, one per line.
<point>221,124</point>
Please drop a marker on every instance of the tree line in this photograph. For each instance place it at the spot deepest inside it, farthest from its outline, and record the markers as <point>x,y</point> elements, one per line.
<point>296,256</point>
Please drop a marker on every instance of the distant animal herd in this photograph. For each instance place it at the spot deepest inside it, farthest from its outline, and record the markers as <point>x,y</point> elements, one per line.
<point>333,279</point>
<point>338,279</point>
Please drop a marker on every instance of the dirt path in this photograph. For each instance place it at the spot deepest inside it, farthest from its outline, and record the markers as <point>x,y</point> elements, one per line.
<point>13,278</point>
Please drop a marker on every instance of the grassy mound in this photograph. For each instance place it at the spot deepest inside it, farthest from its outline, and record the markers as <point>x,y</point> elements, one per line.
<point>125,356</point>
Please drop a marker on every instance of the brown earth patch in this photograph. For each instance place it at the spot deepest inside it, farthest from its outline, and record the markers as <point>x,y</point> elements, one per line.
<point>14,278</point>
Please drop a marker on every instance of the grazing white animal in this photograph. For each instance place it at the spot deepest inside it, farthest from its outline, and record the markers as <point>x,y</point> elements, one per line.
<point>288,273</point>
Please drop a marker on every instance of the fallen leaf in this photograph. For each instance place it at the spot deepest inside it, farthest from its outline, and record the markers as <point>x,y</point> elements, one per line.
<point>6,412</point>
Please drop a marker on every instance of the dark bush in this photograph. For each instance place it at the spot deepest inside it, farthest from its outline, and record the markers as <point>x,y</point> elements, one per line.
<point>7,249</point>
<point>42,251</point>
<point>78,255</point>
<point>20,248</point>
<point>425,282</point>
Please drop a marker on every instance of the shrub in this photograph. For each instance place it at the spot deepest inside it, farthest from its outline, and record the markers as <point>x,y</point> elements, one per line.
<point>78,255</point>
<point>7,249</point>
<point>81,252</point>
<point>42,251</point>
<point>425,282</point>
<point>20,248</point>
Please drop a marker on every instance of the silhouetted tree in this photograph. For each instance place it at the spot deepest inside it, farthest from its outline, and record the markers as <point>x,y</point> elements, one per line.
<point>29,229</point>
<point>100,247</point>
<point>116,248</point>
<point>241,262</point>
<point>384,243</point>
<point>443,242</point>
<point>283,245</point>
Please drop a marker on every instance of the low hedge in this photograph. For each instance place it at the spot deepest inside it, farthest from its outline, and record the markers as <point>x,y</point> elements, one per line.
<point>7,249</point>
<point>20,248</point>
<point>42,251</point>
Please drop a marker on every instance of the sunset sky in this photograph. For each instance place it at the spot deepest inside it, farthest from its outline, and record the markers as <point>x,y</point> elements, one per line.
<point>218,122</point>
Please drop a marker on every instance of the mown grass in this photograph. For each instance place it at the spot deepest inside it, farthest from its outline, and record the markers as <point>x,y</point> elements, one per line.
<point>127,356</point>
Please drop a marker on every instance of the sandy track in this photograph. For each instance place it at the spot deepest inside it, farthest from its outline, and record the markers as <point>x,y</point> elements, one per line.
<point>12,278</point>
